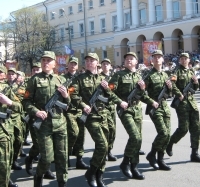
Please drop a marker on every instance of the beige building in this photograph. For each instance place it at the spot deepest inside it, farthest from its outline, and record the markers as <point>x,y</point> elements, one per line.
<point>112,27</point>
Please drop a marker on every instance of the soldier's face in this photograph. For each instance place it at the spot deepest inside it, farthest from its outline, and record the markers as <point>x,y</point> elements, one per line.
<point>11,76</point>
<point>48,64</point>
<point>105,66</point>
<point>2,76</point>
<point>91,63</point>
<point>184,61</point>
<point>36,70</point>
<point>72,67</point>
<point>157,60</point>
<point>130,61</point>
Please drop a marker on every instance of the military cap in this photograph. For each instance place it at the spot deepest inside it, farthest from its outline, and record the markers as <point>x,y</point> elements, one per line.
<point>37,64</point>
<point>185,55</point>
<point>12,69</point>
<point>106,60</point>
<point>157,52</point>
<point>130,53</point>
<point>73,59</point>
<point>21,73</point>
<point>3,69</point>
<point>49,54</point>
<point>92,55</point>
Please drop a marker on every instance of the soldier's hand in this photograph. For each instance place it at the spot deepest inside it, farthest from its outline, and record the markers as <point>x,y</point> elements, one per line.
<point>141,84</point>
<point>181,97</point>
<point>169,84</point>
<point>104,84</point>
<point>195,79</point>
<point>5,100</point>
<point>41,114</point>
<point>155,104</point>
<point>124,105</point>
<point>87,109</point>
<point>62,89</point>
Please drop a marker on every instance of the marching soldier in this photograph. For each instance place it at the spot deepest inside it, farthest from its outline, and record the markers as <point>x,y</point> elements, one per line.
<point>187,111</point>
<point>52,134</point>
<point>75,129</point>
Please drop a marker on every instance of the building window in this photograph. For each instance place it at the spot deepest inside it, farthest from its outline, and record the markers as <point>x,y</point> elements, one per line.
<point>142,13</point>
<point>195,6</point>
<point>62,34</point>
<point>114,22</point>
<point>176,9</point>
<point>61,12</point>
<point>70,10</point>
<point>92,27</point>
<point>52,15</point>
<point>53,35</point>
<point>113,1</point>
<point>71,30</point>
<point>81,28</point>
<point>80,7</point>
<point>90,4</point>
<point>104,54</point>
<point>101,2</point>
<point>103,25</point>
<point>158,13</point>
<point>127,20</point>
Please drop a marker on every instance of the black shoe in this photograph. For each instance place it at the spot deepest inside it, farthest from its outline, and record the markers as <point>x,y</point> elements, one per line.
<point>37,181</point>
<point>26,143</point>
<point>36,159</point>
<point>111,157</point>
<point>49,175</point>
<point>162,165</point>
<point>80,164</point>
<point>99,178</point>
<point>135,172</point>
<point>151,157</point>
<point>125,167</point>
<point>195,157</point>
<point>90,175</point>
<point>141,152</point>
<point>169,149</point>
<point>28,165</point>
<point>22,154</point>
<point>16,166</point>
<point>11,184</point>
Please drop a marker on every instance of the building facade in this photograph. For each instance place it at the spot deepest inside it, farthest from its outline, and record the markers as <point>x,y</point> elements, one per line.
<point>111,28</point>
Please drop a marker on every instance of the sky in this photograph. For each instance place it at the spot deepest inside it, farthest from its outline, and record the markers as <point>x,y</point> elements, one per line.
<point>7,6</point>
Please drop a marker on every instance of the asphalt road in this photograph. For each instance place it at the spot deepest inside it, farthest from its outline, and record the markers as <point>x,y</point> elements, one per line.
<point>183,174</point>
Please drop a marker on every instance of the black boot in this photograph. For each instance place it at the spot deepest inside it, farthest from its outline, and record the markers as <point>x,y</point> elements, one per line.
<point>151,157</point>
<point>162,165</point>
<point>141,152</point>
<point>22,154</point>
<point>169,148</point>
<point>80,164</point>
<point>62,184</point>
<point>16,166</point>
<point>125,167</point>
<point>11,184</point>
<point>29,165</point>
<point>111,157</point>
<point>49,175</point>
<point>90,175</point>
<point>37,181</point>
<point>99,178</point>
<point>69,164</point>
<point>36,159</point>
<point>195,157</point>
<point>135,172</point>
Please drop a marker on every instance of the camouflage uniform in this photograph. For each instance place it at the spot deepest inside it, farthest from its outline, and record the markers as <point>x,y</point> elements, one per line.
<point>52,135</point>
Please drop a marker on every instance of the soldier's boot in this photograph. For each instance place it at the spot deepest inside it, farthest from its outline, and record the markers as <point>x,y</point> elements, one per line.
<point>111,157</point>
<point>68,161</point>
<point>135,172</point>
<point>151,157</point>
<point>162,165</point>
<point>80,164</point>
<point>195,157</point>
<point>37,181</point>
<point>11,184</point>
<point>169,148</point>
<point>22,153</point>
<point>16,166</point>
<point>141,152</point>
<point>29,165</point>
<point>36,159</point>
<point>62,184</point>
<point>49,175</point>
<point>99,178</point>
<point>90,175</point>
<point>125,167</point>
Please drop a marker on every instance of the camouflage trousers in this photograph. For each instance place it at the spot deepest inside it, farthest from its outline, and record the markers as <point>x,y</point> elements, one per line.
<point>76,134</point>
<point>52,141</point>
<point>98,128</point>
<point>5,161</point>
<point>132,122</point>
<point>188,119</point>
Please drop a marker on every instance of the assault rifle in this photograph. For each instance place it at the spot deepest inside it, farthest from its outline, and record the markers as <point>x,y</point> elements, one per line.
<point>53,101</point>
<point>176,101</point>
<point>134,95</point>
<point>96,96</point>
